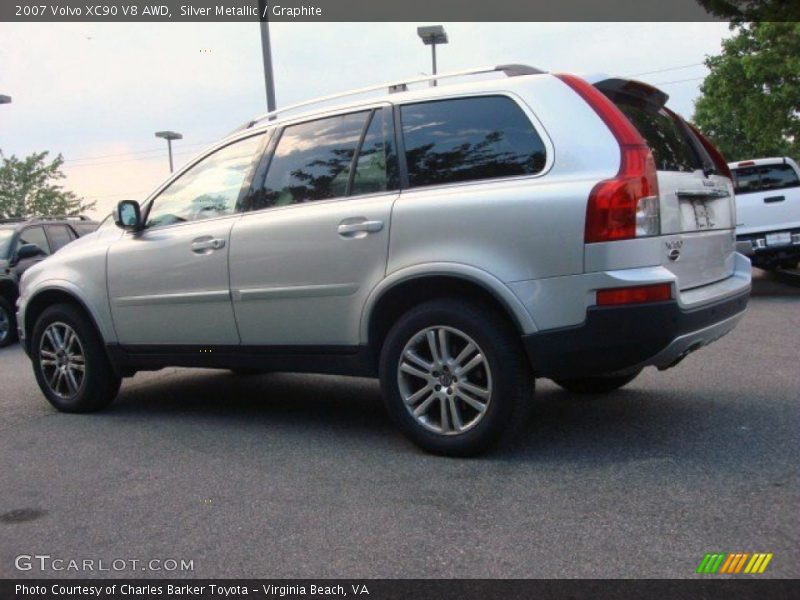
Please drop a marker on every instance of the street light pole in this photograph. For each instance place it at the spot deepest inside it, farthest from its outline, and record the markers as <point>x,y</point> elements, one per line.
<point>432,35</point>
<point>169,136</point>
<point>266,54</point>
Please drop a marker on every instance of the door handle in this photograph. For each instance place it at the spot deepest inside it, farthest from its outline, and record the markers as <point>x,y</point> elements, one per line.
<point>772,199</point>
<point>346,228</point>
<point>206,245</point>
<point>702,194</point>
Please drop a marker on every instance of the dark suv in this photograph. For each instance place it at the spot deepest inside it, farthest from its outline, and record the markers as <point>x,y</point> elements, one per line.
<point>24,242</point>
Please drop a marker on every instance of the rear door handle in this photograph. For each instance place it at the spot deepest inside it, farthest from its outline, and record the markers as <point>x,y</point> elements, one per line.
<point>205,245</point>
<point>772,199</point>
<point>349,228</point>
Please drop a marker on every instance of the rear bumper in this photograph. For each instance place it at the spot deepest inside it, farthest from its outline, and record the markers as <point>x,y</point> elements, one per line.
<point>619,338</point>
<point>755,245</point>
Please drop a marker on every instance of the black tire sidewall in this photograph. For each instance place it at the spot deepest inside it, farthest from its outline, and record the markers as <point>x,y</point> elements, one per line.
<point>511,376</point>
<point>12,323</point>
<point>100,384</point>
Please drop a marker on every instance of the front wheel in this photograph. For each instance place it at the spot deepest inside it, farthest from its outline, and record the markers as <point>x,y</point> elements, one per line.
<point>455,378</point>
<point>70,362</point>
<point>601,384</point>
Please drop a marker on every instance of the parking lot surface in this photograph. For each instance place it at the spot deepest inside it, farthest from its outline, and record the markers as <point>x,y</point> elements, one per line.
<point>303,476</point>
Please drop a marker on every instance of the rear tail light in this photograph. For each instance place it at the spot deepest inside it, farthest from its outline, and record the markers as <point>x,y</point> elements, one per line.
<point>626,206</point>
<point>716,156</point>
<point>634,295</point>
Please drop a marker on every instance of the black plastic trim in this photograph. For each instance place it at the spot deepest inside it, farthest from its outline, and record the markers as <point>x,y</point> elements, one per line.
<point>335,360</point>
<point>615,338</point>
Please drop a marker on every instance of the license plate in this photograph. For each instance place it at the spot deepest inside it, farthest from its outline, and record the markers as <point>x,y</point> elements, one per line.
<point>779,239</point>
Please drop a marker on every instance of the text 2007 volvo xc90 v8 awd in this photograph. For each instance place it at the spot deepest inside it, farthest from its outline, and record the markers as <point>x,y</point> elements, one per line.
<point>456,241</point>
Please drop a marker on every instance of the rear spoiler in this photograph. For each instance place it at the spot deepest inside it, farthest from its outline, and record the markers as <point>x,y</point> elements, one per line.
<point>636,89</point>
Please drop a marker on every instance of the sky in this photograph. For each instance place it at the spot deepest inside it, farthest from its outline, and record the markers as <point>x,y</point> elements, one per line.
<point>97,92</point>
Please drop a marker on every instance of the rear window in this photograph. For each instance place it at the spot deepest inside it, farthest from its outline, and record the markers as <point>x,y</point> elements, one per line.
<point>668,140</point>
<point>467,139</point>
<point>747,180</point>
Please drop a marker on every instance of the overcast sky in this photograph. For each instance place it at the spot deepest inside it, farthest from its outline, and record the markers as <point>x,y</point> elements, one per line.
<point>98,92</point>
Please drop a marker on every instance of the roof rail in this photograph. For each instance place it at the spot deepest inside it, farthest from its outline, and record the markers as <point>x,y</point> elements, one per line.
<point>61,218</point>
<point>399,86</point>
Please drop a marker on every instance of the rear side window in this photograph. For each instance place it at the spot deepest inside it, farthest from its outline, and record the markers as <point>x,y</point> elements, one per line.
<point>668,140</point>
<point>764,177</point>
<point>60,236</point>
<point>468,139</point>
<point>312,161</point>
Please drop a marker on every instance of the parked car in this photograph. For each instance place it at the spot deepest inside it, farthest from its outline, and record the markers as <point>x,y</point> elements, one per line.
<point>768,211</point>
<point>455,241</point>
<point>23,243</point>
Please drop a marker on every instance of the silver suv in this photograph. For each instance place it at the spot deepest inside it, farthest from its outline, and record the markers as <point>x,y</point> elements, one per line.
<point>456,241</point>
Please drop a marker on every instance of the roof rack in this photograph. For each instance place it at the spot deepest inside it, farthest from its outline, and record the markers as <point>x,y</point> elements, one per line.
<point>399,86</point>
<point>61,218</point>
<point>12,220</point>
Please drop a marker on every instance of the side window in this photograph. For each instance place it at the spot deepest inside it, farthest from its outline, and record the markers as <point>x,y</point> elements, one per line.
<point>60,236</point>
<point>376,165</point>
<point>208,189</point>
<point>466,139</point>
<point>34,235</point>
<point>776,177</point>
<point>311,161</point>
<point>764,178</point>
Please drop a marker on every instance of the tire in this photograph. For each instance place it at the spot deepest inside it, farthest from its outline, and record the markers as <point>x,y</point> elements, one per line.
<point>8,323</point>
<point>499,370</point>
<point>602,384</point>
<point>97,387</point>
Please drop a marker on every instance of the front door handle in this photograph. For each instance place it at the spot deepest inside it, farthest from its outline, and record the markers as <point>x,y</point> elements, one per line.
<point>348,228</point>
<point>206,245</point>
<point>773,199</point>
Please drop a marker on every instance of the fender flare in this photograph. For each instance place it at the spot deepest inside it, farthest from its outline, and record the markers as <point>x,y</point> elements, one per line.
<point>500,291</point>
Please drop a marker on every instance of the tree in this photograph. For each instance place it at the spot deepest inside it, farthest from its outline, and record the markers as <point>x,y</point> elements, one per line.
<point>740,11</point>
<point>750,102</point>
<point>28,188</point>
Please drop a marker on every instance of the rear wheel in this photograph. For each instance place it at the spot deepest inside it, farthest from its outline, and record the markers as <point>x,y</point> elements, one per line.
<point>70,362</point>
<point>455,378</point>
<point>601,384</point>
<point>8,323</point>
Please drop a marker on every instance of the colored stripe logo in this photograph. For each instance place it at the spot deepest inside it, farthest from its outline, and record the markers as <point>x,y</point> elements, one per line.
<point>734,563</point>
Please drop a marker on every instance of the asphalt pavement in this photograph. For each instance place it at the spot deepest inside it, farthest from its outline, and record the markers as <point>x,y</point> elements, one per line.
<point>287,475</point>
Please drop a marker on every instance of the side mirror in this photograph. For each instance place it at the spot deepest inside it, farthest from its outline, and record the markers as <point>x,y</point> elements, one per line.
<point>128,215</point>
<point>29,251</point>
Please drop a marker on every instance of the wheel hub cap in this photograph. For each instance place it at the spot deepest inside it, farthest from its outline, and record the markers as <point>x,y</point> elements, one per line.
<point>61,360</point>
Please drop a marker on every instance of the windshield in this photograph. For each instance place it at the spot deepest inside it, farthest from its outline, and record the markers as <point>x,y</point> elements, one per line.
<point>5,240</point>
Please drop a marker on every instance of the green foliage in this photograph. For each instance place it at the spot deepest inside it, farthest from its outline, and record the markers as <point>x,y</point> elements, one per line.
<point>740,11</point>
<point>750,103</point>
<point>28,188</point>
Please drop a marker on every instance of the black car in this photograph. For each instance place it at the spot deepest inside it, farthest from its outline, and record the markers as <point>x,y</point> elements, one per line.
<point>24,242</point>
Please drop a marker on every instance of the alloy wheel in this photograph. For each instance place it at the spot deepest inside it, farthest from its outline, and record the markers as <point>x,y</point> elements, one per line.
<point>62,360</point>
<point>444,380</point>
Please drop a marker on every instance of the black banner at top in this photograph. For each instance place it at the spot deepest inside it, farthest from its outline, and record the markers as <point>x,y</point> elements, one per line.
<point>145,11</point>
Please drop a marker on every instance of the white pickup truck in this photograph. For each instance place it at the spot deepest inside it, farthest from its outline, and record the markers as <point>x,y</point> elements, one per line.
<point>768,211</point>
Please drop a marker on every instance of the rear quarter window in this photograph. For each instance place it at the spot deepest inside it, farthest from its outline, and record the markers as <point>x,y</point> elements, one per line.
<point>468,139</point>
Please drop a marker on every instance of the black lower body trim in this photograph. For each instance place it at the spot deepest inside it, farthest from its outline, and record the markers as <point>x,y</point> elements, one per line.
<point>615,338</point>
<point>336,360</point>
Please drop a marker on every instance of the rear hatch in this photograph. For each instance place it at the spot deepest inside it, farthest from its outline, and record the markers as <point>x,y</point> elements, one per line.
<point>696,199</point>
<point>767,195</point>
